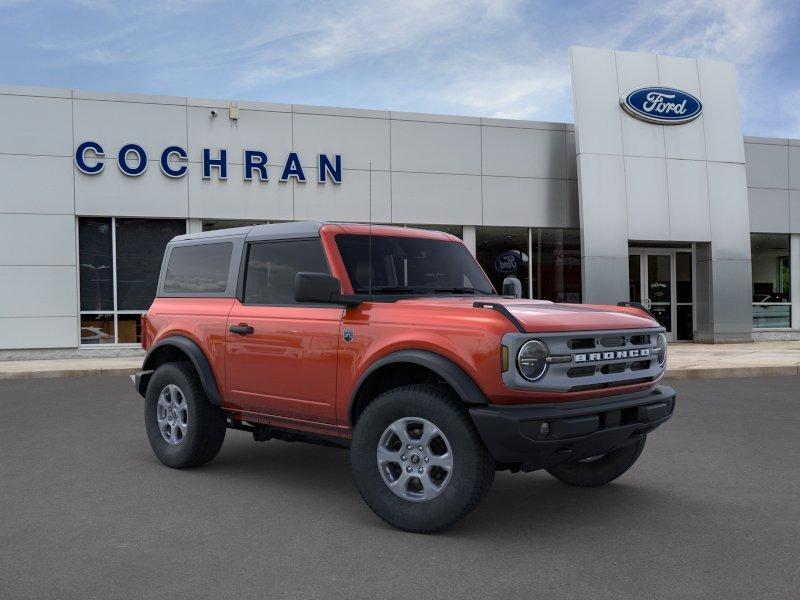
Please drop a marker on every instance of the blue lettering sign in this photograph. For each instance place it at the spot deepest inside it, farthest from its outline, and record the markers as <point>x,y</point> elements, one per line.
<point>293,168</point>
<point>508,262</point>
<point>80,158</point>
<point>122,160</point>
<point>221,163</point>
<point>325,168</point>
<point>255,160</point>
<point>166,168</point>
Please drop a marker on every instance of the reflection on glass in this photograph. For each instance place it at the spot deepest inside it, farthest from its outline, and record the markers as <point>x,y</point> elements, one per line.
<point>95,257</point>
<point>771,280</point>
<point>503,252</point>
<point>635,276</point>
<point>140,249</point>
<point>228,223</point>
<point>557,264</point>
<point>97,329</point>
<point>684,325</point>
<point>129,329</point>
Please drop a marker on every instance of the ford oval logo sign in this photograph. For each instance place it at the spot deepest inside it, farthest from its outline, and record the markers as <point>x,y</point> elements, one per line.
<point>507,262</point>
<point>662,105</point>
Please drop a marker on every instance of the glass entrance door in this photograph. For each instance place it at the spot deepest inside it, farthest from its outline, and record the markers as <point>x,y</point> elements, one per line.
<point>662,281</point>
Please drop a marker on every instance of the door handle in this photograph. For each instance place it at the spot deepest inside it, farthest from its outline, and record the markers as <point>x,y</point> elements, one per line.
<point>241,328</point>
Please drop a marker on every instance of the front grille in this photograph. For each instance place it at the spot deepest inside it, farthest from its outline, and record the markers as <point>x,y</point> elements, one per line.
<point>596,360</point>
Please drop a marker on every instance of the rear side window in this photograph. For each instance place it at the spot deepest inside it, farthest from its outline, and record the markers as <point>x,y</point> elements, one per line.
<point>272,266</point>
<point>198,269</point>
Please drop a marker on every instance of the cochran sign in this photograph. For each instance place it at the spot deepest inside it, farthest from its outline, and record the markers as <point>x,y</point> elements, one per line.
<point>132,161</point>
<point>663,105</point>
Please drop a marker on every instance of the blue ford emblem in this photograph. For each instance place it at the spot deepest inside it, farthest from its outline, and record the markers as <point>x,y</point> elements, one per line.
<point>507,262</point>
<point>663,105</point>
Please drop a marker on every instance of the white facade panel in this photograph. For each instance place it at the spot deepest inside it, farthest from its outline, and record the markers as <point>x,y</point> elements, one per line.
<point>38,291</point>
<point>794,211</point>
<point>730,211</point>
<point>594,77</point>
<point>794,168</point>
<point>636,70</point>
<point>326,202</point>
<point>38,332</point>
<point>722,121</point>
<point>112,193</point>
<point>36,125</point>
<point>525,202</point>
<point>436,198</point>
<point>769,210</point>
<point>688,140</point>
<point>360,141</point>
<point>30,239</point>
<point>767,166</point>
<point>270,132</point>
<point>36,184</point>
<point>236,198</point>
<point>647,201</point>
<point>603,205</point>
<point>524,152</point>
<point>689,212</point>
<point>436,147</point>
<point>114,124</point>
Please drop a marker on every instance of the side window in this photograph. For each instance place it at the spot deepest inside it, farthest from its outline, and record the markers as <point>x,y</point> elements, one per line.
<point>198,269</point>
<point>272,266</point>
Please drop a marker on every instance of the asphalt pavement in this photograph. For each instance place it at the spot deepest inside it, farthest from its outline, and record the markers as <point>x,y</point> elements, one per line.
<point>711,510</point>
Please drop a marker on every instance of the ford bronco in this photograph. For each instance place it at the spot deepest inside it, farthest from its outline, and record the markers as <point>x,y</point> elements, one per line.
<point>393,343</point>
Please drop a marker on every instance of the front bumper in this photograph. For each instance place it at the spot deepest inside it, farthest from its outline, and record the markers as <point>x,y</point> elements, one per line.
<point>539,436</point>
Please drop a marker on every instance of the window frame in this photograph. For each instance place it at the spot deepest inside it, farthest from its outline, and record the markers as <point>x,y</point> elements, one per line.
<point>114,311</point>
<point>242,277</point>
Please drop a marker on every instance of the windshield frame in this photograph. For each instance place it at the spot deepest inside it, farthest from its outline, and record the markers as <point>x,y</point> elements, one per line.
<point>383,292</point>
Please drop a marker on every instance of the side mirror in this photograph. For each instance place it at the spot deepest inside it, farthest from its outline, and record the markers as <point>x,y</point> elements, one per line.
<point>320,288</point>
<point>512,287</point>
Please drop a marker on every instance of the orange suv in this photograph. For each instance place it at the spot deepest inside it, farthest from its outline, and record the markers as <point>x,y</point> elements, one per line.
<point>393,343</point>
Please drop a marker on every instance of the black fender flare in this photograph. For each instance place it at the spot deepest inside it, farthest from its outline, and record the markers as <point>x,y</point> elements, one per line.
<point>198,359</point>
<point>462,384</point>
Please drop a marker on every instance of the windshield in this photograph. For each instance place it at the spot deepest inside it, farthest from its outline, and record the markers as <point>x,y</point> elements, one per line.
<point>410,265</point>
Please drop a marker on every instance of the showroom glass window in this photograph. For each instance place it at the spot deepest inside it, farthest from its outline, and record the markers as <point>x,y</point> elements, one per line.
<point>119,260</point>
<point>546,261</point>
<point>772,306</point>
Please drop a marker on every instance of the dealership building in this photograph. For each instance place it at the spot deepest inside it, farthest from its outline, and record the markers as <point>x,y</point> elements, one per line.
<point>653,195</point>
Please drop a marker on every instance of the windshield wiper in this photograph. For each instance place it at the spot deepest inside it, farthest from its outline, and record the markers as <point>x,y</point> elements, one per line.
<point>462,290</point>
<point>391,289</point>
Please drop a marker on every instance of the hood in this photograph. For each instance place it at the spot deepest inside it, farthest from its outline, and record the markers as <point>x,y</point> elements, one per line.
<point>543,316</point>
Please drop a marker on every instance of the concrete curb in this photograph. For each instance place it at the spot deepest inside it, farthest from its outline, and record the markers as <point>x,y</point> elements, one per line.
<point>727,372</point>
<point>57,373</point>
<point>732,372</point>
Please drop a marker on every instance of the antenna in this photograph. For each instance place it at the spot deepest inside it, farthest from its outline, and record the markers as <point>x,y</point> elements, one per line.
<point>369,274</point>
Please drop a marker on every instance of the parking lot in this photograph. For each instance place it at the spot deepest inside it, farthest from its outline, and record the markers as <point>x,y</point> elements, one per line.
<point>711,510</point>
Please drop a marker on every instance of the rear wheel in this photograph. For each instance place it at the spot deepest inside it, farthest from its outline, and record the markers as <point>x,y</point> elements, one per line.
<point>183,427</point>
<point>599,470</point>
<point>417,460</point>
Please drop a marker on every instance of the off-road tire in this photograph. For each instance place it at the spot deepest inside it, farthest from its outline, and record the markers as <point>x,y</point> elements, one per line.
<point>473,467</point>
<point>206,422</point>
<point>600,471</point>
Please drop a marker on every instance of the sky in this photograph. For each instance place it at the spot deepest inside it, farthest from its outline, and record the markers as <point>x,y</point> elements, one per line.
<point>488,58</point>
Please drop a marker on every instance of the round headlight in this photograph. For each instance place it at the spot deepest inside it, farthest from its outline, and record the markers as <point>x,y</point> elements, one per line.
<point>661,344</point>
<point>532,360</point>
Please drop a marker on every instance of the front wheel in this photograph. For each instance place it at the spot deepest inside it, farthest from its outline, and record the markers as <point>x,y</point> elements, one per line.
<point>417,460</point>
<point>599,470</point>
<point>183,427</point>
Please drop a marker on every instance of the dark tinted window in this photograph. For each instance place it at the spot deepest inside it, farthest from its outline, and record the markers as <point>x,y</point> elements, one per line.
<point>198,269</point>
<point>272,266</point>
<point>96,264</point>
<point>409,265</point>
<point>140,250</point>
